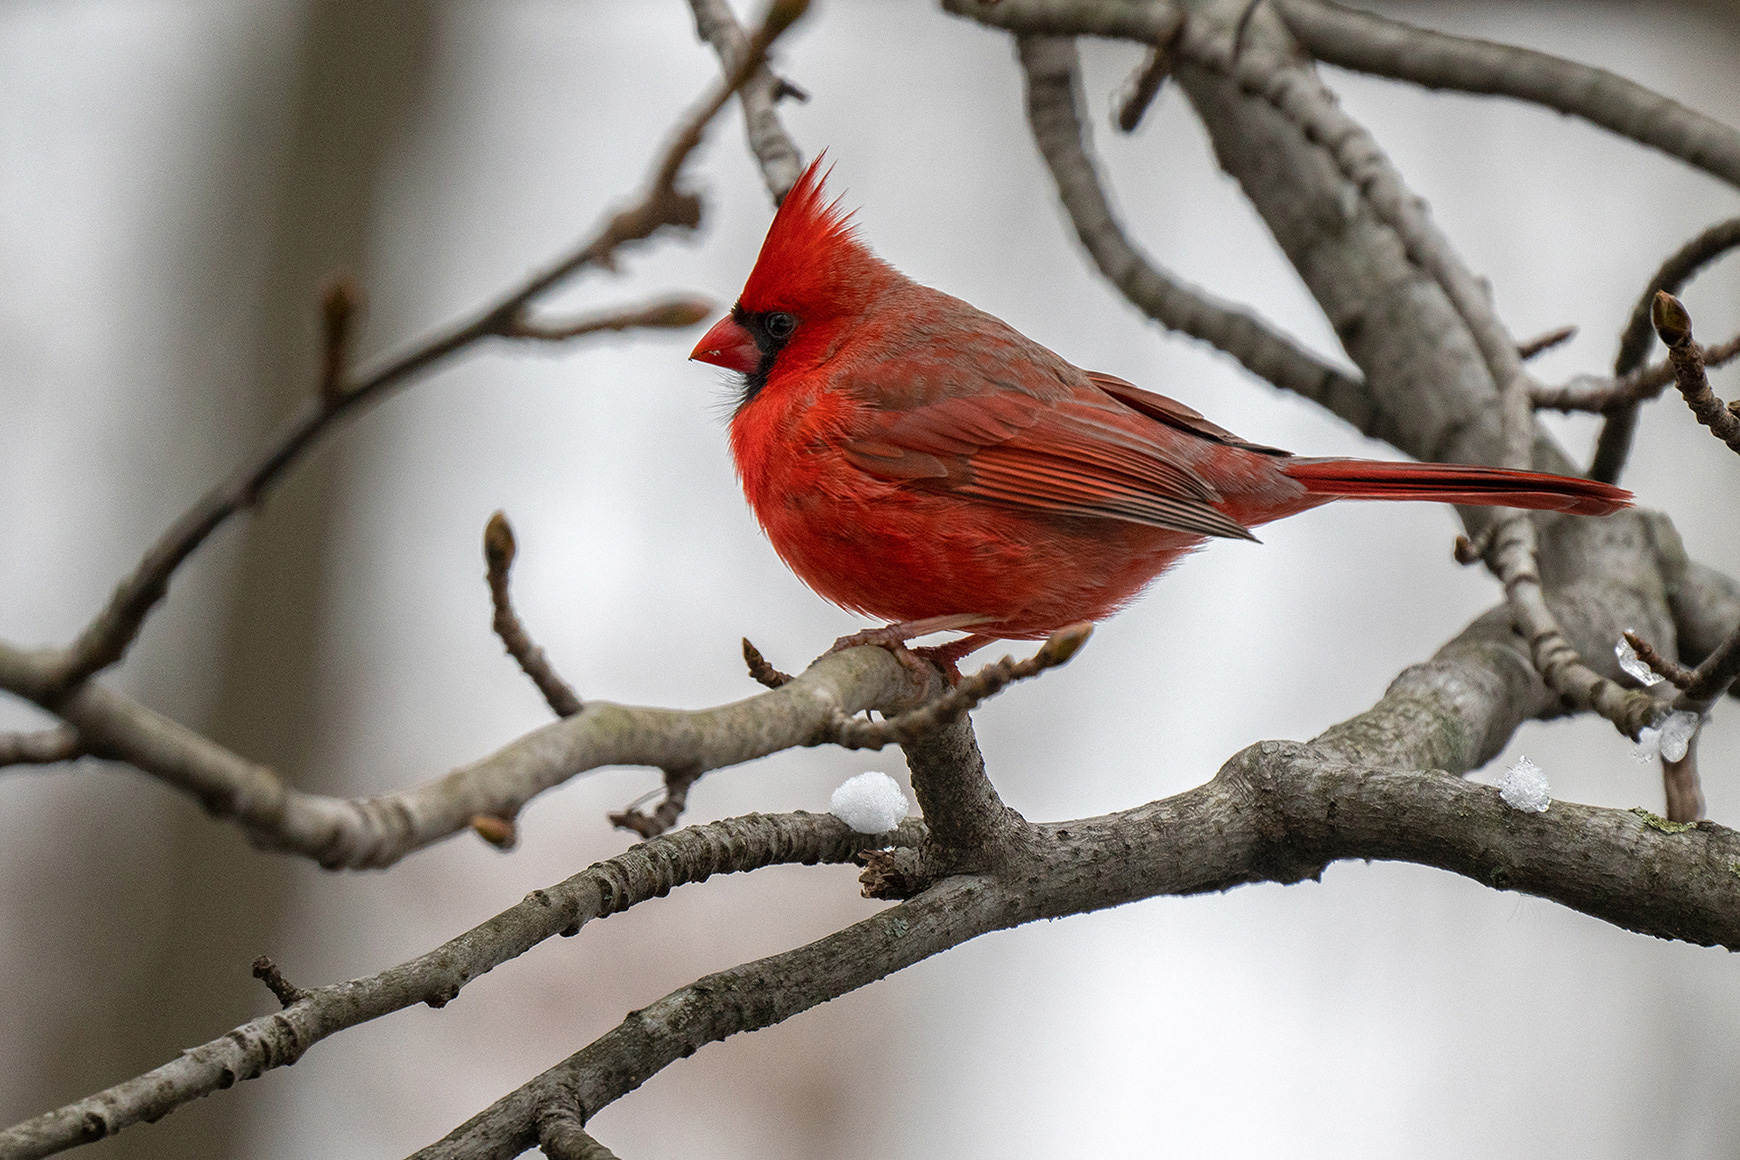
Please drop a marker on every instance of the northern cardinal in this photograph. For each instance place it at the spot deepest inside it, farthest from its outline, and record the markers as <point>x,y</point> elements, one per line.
<point>916,460</point>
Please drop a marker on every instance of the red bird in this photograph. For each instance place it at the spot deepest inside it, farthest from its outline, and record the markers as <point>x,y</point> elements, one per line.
<point>917,460</point>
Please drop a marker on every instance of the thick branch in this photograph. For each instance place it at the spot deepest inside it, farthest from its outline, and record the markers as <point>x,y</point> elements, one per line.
<point>1276,812</point>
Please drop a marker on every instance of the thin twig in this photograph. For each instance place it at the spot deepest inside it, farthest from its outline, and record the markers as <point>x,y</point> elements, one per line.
<point>268,973</point>
<point>41,746</point>
<point>678,781</point>
<point>858,733</point>
<point>670,313</point>
<point>340,304</point>
<point>106,639</point>
<point>1674,325</point>
<point>1714,676</point>
<point>759,668</point>
<point>1669,669</point>
<point>1545,342</point>
<point>1613,444</point>
<point>1471,550</point>
<point>373,832</point>
<point>1609,396</point>
<point>498,552</point>
<point>1145,86</point>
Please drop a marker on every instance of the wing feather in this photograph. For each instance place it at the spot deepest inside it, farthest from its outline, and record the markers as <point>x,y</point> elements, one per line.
<point>1069,449</point>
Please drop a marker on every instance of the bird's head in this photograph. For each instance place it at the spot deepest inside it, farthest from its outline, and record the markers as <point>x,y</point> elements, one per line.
<point>812,278</point>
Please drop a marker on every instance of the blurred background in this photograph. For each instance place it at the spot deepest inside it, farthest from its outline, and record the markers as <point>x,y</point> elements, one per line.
<point>179,175</point>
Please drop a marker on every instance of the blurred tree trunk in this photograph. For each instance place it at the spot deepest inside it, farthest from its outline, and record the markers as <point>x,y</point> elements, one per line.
<point>356,91</point>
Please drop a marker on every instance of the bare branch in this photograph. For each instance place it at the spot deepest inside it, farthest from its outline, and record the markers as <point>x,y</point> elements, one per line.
<point>1614,443</point>
<point>562,1135</point>
<point>356,833</point>
<point>1713,677</point>
<point>1145,86</point>
<point>781,162</point>
<point>340,304</point>
<point>1380,188</point>
<point>857,733</point>
<point>671,805</point>
<point>759,668</point>
<point>1276,812</point>
<point>1671,670</point>
<point>498,553</point>
<point>42,747</point>
<point>1679,781</point>
<point>663,205</point>
<point>283,989</point>
<point>1542,343</point>
<point>1054,110</point>
<point>1674,324</point>
<point>667,314</point>
<point>609,887</point>
<point>1374,44</point>
<point>1611,396</point>
<point>1145,21</point>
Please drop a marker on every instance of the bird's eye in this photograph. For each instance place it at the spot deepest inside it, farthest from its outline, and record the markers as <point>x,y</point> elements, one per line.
<point>780,325</point>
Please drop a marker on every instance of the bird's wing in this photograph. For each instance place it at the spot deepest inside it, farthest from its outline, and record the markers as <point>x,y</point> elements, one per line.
<point>1175,414</point>
<point>1062,450</point>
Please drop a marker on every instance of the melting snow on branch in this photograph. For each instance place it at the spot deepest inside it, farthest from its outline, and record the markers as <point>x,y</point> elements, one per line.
<point>1671,740</point>
<point>1633,664</point>
<point>1524,787</point>
<point>871,803</point>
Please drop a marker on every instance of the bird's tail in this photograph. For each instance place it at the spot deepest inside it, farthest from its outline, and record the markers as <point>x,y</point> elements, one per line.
<point>1456,483</point>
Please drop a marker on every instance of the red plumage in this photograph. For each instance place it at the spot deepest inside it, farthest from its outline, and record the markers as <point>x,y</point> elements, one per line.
<point>915,459</point>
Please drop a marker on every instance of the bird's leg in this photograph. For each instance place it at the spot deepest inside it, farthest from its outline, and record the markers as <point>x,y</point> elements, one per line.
<point>897,634</point>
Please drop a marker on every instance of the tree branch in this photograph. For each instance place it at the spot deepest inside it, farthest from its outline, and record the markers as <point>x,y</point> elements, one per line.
<point>666,314</point>
<point>1368,43</point>
<point>41,747</point>
<point>1054,111</point>
<point>356,833</point>
<point>106,639</point>
<point>781,162</point>
<point>650,870</point>
<point>1276,812</point>
<point>1674,324</point>
<point>1614,442</point>
<point>499,550</point>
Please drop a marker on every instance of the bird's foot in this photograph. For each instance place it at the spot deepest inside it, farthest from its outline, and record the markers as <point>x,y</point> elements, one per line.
<point>893,637</point>
<point>947,656</point>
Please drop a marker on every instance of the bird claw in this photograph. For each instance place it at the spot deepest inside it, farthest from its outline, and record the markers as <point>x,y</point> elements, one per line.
<point>892,637</point>
<point>918,661</point>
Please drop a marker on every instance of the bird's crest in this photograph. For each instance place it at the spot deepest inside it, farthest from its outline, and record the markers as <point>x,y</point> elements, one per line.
<point>812,257</point>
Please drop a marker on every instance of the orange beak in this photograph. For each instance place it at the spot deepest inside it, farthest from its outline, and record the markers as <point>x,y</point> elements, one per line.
<point>728,345</point>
